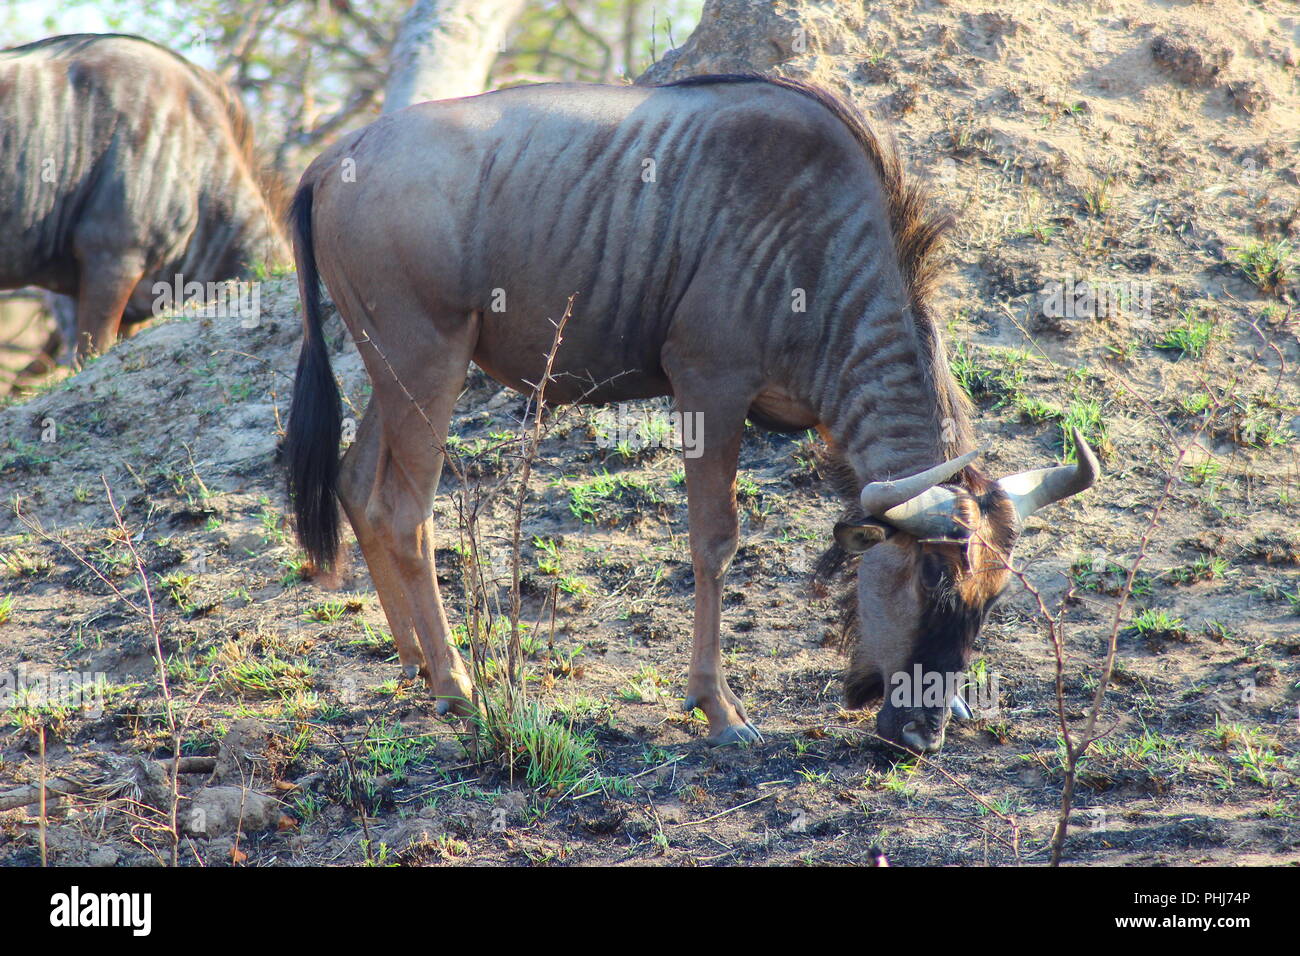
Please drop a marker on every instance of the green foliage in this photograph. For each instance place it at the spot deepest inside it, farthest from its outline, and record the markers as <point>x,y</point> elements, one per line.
<point>1190,337</point>
<point>1265,264</point>
<point>589,499</point>
<point>526,734</point>
<point>1158,623</point>
<point>390,751</point>
<point>596,41</point>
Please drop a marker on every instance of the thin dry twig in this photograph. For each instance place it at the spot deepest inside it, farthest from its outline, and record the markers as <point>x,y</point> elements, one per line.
<point>723,813</point>
<point>1075,750</point>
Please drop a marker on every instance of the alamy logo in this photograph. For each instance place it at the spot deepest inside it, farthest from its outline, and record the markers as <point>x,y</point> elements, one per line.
<point>627,428</point>
<point>1095,299</point>
<point>919,688</point>
<point>74,909</point>
<point>232,298</point>
<point>72,689</point>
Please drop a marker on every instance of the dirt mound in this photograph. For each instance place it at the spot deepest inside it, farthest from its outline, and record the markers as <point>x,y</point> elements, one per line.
<point>189,396</point>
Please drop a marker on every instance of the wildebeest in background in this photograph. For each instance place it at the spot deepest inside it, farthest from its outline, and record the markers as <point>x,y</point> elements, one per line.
<point>125,165</point>
<point>745,245</point>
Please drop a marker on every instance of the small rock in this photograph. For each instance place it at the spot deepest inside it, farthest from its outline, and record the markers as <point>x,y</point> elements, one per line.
<point>241,750</point>
<point>103,856</point>
<point>149,780</point>
<point>217,811</point>
<point>403,835</point>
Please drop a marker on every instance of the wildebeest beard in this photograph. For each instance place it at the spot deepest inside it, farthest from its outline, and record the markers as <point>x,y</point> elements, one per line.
<point>946,631</point>
<point>946,634</point>
<point>945,637</point>
<point>950,621</point>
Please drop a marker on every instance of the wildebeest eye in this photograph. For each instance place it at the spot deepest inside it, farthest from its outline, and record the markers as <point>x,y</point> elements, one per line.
<point>932,570</point>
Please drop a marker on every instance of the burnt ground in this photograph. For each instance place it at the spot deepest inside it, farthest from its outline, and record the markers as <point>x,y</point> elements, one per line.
<point>1125,162</point>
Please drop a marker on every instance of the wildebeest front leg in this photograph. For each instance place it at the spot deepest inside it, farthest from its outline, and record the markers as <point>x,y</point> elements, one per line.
<point>105,286</point>
<point>714,535</point>
<point>356,483</point>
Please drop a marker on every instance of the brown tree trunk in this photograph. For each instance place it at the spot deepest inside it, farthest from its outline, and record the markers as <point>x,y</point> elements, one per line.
<point>446,48</point>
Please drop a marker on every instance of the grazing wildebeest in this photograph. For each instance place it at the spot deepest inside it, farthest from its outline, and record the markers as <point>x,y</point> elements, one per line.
<point>746,245</point>
<point>125,165</point>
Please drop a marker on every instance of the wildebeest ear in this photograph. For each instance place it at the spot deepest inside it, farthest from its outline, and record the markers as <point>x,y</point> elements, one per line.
<point>856,538</point>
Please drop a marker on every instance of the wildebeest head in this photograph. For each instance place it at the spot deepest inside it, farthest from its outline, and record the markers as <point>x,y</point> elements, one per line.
<point>934,551</point>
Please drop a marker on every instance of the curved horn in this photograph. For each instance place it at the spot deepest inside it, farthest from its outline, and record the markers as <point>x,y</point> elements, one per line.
<point>1031,490</point>
<point>916,504</point>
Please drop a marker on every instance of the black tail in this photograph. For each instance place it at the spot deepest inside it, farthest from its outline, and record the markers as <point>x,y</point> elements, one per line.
<point>315,419</point>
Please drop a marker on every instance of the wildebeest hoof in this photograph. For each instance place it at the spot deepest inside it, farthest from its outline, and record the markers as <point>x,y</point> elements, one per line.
<point>411,671</point>
<point>960,709</point>
<point>745,733</point>
<point>455,706</point>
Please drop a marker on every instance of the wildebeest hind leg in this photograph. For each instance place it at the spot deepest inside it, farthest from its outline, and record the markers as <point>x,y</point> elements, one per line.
<point>105,286</point>
<point>356,482</point>
<point>430,366</point>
